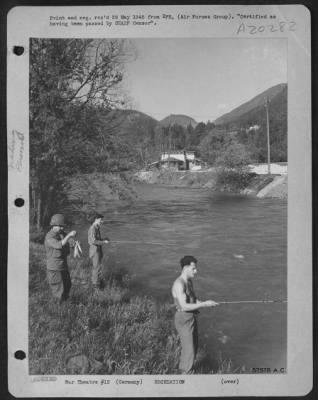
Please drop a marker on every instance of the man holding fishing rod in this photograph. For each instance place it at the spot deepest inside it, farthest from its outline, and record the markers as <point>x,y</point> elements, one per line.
<point>95,242</point>
<point>186,315</point>
<point>57,245</point>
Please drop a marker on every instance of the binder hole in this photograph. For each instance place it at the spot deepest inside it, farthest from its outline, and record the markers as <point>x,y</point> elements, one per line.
<point>19,202</point>
<point>19,355</point>
<point>18,50</point>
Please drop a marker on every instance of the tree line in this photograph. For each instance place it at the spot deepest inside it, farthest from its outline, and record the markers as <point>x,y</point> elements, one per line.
<point>242,142</point>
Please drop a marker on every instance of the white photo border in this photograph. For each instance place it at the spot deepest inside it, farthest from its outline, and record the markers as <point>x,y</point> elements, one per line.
<point>29,22</point>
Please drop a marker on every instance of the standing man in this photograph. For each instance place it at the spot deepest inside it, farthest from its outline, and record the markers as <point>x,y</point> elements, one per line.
<point>57,246</point>
<point>186,315</point>
<point>95,242</point>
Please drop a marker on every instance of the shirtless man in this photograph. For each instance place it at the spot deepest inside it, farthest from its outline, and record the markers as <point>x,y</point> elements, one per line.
<point>186,315</point>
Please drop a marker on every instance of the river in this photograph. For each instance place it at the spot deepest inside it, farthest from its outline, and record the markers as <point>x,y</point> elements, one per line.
<point>241,246</point>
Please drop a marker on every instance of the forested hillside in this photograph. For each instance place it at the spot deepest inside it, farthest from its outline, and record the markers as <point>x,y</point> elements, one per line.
<point>242,132</point>
<point>178,119</point>
<point>249,121</point>
<point>248,108</point>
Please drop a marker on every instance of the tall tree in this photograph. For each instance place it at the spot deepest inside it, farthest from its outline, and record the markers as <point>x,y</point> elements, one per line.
<point>213,144</point>
<point>68,78</point>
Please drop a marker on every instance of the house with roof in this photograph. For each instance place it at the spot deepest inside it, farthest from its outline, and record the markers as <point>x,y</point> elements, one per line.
<point>178,160</point>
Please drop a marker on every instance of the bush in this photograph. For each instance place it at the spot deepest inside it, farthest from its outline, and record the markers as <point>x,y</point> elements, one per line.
<point>233,156</point>
<point>233,180</point>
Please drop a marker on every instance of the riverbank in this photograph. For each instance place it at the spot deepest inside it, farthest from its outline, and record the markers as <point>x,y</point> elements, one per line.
<point>109,332</point>
<point>272,186</point>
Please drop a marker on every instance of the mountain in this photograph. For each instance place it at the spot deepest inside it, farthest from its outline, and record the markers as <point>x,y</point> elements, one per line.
<point>248,123</point>
<point>133,136</point>
<point>178,119</point>
<point>246,112</point>
<point>125,118</point>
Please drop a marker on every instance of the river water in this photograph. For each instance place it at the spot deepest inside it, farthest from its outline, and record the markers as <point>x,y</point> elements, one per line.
<point>241,246</point>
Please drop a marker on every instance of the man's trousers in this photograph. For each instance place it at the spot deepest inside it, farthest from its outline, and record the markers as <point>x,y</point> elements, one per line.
<point>97,269</point>
<point>60,284</point>
<point>187,328</point>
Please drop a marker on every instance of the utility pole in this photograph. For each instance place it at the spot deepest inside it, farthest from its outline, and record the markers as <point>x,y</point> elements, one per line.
<point>268,138</point>
<point>169,151</point>
<point>161,140</point>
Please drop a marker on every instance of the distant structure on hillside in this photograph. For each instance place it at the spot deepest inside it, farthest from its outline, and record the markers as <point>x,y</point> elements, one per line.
<point>179,160</point>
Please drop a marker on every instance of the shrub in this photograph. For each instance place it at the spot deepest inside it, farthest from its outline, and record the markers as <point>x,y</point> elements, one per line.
<point>233,180</point>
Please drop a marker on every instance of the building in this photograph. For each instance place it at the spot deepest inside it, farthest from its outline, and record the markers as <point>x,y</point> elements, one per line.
<point>178,160</point>
<point>178,155</point>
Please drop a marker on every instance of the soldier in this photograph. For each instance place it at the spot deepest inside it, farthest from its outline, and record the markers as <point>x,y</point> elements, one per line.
<point>95,242</point>
<point>186,315</point>
<point>57,245</point>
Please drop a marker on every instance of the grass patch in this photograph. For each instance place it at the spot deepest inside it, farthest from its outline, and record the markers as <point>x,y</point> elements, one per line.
<point>108,332</point>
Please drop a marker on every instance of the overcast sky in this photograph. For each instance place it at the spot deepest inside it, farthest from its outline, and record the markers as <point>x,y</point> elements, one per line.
<point>203,78</point>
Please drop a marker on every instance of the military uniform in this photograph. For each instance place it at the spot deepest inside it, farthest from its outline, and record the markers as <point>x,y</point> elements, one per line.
<point>57,269</point>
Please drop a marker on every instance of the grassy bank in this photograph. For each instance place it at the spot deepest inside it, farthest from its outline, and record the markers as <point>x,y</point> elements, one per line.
<point>105,332</point>
<point>109,332</point>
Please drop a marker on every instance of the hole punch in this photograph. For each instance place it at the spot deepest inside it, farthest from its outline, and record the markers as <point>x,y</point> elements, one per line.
<point>18,50</point>
<point>19,202</point>
<point>20,355</point>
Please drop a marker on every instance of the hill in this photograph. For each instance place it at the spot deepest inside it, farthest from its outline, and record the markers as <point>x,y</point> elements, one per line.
<point>126,118</point>
<point>134,136</point>
<point>249,122</point>
<point>178,119</point>
<point>246,110</point>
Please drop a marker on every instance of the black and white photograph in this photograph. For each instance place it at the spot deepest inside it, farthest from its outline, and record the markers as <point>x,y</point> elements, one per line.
<point>151,162</point>
<point>158,203</point>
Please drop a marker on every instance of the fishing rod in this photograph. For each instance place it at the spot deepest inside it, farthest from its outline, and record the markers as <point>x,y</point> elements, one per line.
<point>252,301</point>
<point>139,242</point>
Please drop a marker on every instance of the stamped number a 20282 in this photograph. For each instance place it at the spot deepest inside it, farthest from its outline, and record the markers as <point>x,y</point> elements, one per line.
<point>279,27</point>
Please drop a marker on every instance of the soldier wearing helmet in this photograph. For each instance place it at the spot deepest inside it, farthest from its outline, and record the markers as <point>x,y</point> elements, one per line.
<point>57,245</point>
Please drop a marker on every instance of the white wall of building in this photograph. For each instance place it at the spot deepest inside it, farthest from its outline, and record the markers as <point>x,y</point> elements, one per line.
<point>178,155</point>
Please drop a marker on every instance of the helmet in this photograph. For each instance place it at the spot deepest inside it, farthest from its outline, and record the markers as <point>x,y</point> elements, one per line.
<point>57,220</point>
